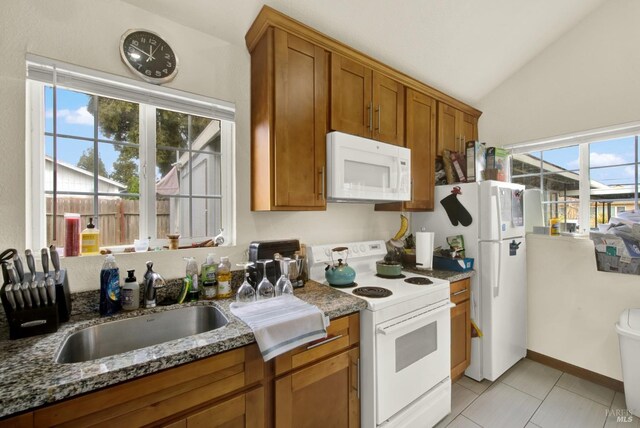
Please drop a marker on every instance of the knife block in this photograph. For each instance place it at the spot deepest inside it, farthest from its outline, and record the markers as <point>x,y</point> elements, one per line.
<point>30,321</point>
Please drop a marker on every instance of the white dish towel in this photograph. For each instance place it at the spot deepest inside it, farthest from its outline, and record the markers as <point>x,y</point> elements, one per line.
<point>282,323</point>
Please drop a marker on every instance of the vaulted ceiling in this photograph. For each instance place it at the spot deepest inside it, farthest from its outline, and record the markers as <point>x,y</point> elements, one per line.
<point>463,47</point>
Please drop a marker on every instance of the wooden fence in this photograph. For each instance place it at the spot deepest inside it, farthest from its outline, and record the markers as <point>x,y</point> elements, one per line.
<point>118,220</point>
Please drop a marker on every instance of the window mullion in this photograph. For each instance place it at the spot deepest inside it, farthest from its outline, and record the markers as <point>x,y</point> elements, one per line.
<point>36,234</point>
<point>147,140</point>
<point>585,189</point>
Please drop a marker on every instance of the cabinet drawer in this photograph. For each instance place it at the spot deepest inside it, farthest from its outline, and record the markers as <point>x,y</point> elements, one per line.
<point>460,290</point>
<point>342,333</point>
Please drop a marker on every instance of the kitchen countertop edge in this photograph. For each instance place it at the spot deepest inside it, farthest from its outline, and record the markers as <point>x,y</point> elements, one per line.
<point>39,381</point>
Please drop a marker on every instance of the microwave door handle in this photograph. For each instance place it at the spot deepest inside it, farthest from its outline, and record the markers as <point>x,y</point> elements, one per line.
<point>415,320</point>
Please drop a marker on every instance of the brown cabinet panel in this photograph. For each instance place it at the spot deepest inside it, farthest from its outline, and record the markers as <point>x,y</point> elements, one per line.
<point>448,138</point>
<point>159,396</point>
<point>388,110</point>
<point>324,394</point>
<point>455,128</point>
<point>460,328</point>
<point>290,90</point>
<point>421,139</point>
<point>351,108</point>
<point>244,410</point>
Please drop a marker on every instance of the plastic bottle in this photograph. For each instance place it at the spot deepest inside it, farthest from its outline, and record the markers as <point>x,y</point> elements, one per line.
<point>90,239</point>
<point>224,278</point>
<point>209,283</point>
<point>109,287</point>
<point>130,294</point>
<point>71,234</point>
<point>554,226</point>
<point>192,274</point>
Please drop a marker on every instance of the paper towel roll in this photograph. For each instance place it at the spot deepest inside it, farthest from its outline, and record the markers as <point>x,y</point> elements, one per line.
<point>424,250</point>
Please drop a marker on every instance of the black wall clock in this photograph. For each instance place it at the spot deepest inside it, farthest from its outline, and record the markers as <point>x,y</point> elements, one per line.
<point>149,56</point>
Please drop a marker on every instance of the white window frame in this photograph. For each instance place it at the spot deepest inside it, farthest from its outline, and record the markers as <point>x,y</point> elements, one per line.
<point>43,72</point>
<point>582,140</point>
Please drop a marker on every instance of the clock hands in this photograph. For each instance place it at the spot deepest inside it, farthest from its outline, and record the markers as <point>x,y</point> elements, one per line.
<point>138,49</point>
<point>151,51</point>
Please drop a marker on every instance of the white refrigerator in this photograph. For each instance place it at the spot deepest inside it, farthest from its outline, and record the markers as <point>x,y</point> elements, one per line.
<point>495,238</point>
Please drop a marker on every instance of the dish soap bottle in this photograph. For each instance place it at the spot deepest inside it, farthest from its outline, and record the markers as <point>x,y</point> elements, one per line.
<point>192,275</point>
<point>90,238</point>
<point>209,283</point>
<point>109,287</point>
<point>130,292</point>
<point>224,278</point>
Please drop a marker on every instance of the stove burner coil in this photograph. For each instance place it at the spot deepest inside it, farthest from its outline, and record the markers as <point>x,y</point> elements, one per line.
<point>401,276</point>
<point>418,280</point>
<point>375,292</point>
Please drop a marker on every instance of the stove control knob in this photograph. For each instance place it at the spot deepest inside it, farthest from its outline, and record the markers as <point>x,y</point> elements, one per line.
<point>362,248</point>
<point>327,252</point>
<point>355,250</point>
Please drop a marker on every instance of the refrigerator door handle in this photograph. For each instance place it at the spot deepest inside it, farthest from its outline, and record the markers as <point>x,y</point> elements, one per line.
<point>496,192</point>
<point>496,287</point>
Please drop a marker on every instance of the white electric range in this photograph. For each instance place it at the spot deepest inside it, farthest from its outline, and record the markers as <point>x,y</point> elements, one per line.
<point>405,339</point>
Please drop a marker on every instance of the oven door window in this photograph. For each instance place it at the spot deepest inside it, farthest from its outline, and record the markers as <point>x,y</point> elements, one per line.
<point>412,356</point>
<point>416,345</point>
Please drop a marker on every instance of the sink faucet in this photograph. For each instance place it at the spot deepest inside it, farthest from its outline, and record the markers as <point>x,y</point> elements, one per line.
<point>152,281</point>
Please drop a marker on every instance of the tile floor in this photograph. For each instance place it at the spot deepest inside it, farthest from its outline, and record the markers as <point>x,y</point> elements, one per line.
<point>532,395</point>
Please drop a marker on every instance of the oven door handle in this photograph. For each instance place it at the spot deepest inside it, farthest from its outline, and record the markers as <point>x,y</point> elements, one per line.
<point>401,325</point>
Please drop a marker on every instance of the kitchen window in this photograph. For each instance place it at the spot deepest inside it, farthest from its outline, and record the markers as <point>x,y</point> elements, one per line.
<point>143,161</point>
<point>585,179</point>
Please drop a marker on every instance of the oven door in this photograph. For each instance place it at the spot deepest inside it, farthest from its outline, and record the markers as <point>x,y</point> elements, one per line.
<point>413,355</point>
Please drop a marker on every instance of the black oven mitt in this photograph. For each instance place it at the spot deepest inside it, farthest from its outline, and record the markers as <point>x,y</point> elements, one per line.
<point>455,210</point>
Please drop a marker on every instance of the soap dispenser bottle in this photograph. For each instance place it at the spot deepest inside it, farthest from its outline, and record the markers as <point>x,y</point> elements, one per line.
<point>130,293</point>
<point>90,240</point>
<point>109,287</point>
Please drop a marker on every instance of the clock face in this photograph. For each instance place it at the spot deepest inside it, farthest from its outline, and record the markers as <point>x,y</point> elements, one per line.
<point>148,56</point>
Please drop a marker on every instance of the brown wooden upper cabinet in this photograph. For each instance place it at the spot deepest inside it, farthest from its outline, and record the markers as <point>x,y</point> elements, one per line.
<point>365,102</point>
<point>290,91</point>
<point>455,128</point>
<point>420,128</point>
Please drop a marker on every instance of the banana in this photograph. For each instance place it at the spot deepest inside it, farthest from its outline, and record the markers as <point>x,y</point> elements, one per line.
<point>404,226</point>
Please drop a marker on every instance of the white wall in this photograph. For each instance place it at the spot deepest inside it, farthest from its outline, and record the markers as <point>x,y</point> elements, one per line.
<point>86,33</point>
<point>587,79</point>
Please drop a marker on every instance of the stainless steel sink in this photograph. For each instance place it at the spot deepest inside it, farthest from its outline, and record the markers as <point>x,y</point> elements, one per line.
<point>120,336</point>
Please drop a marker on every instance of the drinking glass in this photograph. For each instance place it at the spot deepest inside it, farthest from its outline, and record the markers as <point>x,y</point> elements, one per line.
<point>265,288</point>
<point>283,286</point>
<point>246,293</point>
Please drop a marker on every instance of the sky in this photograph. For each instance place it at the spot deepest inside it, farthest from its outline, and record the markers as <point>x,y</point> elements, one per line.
<point>613,152</point>
<point>74,119</point>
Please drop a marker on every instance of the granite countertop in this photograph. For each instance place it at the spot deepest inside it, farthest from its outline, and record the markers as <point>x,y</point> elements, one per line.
<point>449,275</point>
<point>31,378</point>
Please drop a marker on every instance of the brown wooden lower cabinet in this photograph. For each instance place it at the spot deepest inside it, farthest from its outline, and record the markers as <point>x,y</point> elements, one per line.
<point>313,385</point>
<point>324,394</point>
<point>243,410</point>
<point>460,328</point>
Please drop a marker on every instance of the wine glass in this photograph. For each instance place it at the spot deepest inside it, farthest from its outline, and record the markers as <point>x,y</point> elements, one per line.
<point>245,293</point>
<point>265,288</point>
<point>283,286</point>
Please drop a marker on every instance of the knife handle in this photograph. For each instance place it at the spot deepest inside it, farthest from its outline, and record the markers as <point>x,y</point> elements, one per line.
<point>8,292</point>
<point>17,293</point>
<point>55,258</point>
<point>43,293</point>
<point>35,297</point>
<point>45,261</point>
<point>17,263</point>
<point>31,263</point>
<point>26,295</point>
<point>13,277</point>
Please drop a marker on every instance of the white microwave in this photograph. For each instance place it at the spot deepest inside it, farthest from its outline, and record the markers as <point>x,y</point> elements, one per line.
<point>364,170</point>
